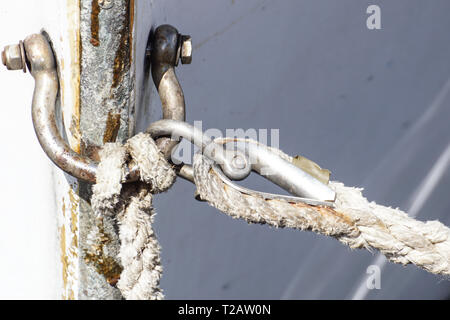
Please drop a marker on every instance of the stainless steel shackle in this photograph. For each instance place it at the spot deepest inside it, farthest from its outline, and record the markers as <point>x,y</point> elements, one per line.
<point>168,46</point>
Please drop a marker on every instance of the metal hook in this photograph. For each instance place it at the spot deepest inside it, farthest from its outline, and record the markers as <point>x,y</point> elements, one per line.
<point>235,164</point>
<point>168,47</point>
<point>250,155</point>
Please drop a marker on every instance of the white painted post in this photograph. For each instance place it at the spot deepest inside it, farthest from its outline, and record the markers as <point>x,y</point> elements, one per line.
<point>33,230</point>
<point>46,217</point>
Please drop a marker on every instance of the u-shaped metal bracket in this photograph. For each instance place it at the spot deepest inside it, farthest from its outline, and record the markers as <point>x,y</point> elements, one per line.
<point>165,53</point>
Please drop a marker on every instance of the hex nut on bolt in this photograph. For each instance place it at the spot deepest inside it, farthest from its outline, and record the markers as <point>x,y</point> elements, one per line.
<point>186,49</point>
<point>13,57</point>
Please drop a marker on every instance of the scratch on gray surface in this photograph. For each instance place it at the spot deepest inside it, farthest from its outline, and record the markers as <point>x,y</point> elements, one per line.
<point>424,120</point>
<point>230,25</point>
<point>419,198</point>
<point>420,195</point>
<point>428,184</point>
<point>292,284</point>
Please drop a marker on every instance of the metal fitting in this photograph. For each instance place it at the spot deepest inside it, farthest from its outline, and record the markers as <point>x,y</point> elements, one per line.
<point>245,156</point>
<point>165,54</point>
<point>186,49</point>
<point>106,4</point>
<point>13,57</point>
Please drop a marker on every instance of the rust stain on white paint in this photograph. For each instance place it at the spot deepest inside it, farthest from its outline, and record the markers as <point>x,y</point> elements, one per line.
<point>75,51</point>
<point>68,233</point>
<point>68,56</point>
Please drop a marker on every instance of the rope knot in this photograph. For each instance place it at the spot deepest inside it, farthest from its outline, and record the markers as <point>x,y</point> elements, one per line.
<point>131,205</point>
<point>154,169</point>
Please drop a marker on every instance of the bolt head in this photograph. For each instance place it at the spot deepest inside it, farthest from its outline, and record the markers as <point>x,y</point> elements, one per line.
<point>12,57</point>
<point>186,50</point>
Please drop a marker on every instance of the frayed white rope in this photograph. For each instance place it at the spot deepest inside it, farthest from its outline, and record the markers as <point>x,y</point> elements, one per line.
<point>139,248</point>
<point>109,177</point>
<point>131,204</point>
<point>354,221</point>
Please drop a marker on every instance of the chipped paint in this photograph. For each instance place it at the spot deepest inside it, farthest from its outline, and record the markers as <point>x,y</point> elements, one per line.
<point>75,218</point>
<point>64,259</point>
<point>67,52</point>
<point>112,127</point>
<point>122,59</point>
<point>74,201</point>
<point>106,72</point>
<point>71,105</point>
<point>68,233</point>
<point>97,256</point>
<point>95,11</point>
<point>63,207</point>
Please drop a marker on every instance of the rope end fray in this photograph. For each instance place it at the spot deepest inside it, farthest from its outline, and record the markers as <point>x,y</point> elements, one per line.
<point>154,168</point>
<point>109,177</point>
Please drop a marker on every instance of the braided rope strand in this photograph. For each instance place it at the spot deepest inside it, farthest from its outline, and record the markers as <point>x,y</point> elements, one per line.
<point>139,249</point>
<point>354,221</point>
